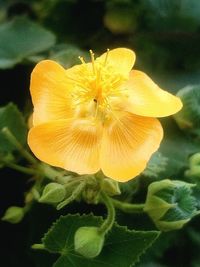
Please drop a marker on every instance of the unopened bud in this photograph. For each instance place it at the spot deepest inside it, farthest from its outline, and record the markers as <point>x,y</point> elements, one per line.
<point>170,204</point>
<point>53,193</point>
<point>88,241</point>
<point>13,214</point>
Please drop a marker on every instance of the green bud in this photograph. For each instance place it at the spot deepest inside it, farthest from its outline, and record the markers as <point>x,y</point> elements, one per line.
<point>53,193</point>
<point>194,168</point>
<point>194,160</point>
<point>170,204</point>
<point>13,214</point>
<point>193,172</point>
<point>188,117</point>
<point>120,19</point>
<point>88,241</point>
<point>111,187</point>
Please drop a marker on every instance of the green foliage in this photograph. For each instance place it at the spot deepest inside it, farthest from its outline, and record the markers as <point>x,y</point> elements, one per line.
<point>156,165</point>
<point>188,117</point>
<point>178,144</point>
<point>21,38</point>
<point>66,55</point>
<point>122,247</point>
<point>11,118</point>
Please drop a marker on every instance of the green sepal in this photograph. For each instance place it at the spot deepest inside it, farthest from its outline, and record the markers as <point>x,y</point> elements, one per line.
<point>13,214</point>
<point>110,187</point>
<point>53,193</point>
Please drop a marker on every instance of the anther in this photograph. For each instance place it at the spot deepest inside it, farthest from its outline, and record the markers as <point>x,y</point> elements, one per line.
<point>92,59</point>
<point>82,60</point>
<point>106,58</point>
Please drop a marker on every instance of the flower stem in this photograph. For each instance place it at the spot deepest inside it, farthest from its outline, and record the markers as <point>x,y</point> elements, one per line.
<point>128,207</point>
<point>73,196</point>
<point>13,140</point>
<point>19,168</point>
<point>108,223</point>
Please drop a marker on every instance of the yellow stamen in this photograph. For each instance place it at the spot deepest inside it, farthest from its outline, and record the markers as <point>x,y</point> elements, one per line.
<point>92,59</point>
<point>106,58</point>
<point>81,59</point>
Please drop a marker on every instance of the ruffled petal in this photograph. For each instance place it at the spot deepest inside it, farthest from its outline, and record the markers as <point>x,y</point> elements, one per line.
<point>50,90</point>
<point>145,98</point>
<point>128,144</point>
<point>72,145</point>
<point>121,59</point>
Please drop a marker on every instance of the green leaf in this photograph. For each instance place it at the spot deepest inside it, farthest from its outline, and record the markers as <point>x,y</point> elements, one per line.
<point>188,117</point>
<point>156,165</point>
<point>177,147</point>
<point>21,38</point>
<point>67,55</point>
<point>122,248</point>
<point>11,118</point>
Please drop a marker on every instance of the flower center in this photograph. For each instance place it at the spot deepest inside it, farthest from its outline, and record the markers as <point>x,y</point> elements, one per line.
<point>97,85</point>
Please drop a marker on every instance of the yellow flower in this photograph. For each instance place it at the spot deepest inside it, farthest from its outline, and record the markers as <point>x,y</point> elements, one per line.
<point>98,115</point>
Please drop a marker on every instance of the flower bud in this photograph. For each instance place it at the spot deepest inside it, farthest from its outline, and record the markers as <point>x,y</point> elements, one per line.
<point>111,187</point>
<point>88,241</point>
<point>13,214</point>
<point>170,204</point>
<point>194,168</point>
<point>120,20</point>
<point>53,193</point>
<point>188,117</point>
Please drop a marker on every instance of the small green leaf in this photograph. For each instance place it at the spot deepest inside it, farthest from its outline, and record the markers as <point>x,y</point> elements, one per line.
<point>11,118</point>
<point>21,38</point>
<point>67,55</point>
<point>122,247</point>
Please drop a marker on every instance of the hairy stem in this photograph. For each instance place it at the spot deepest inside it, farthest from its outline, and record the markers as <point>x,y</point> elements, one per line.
<point>128,207</point>
<point>108,223</point>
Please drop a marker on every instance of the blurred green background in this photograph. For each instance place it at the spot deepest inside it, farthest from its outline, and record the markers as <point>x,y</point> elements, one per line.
<point>165,34</point>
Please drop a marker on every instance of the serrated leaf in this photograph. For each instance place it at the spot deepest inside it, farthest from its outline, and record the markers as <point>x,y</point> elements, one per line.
<point>11,118</point>
<point>21,38</point>
<point>122,247</point>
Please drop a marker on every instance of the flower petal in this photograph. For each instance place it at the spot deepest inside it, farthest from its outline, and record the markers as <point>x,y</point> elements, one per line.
<point>72,145</point>
<point>147,99</point>
<point>122,59</point>
<point>50,92</point>
<point>128,144</point>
